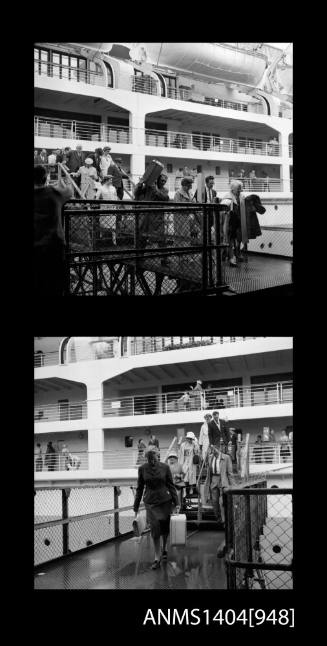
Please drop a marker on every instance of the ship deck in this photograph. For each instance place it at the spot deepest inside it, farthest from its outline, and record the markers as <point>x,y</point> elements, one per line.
<point>125,563</point>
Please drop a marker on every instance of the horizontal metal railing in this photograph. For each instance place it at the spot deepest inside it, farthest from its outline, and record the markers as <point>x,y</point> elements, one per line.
<point>174,401</point>
<point>80,130</point>
<point>59,461</point>
<point>222,183</point>
<point>60,412</point>
<point>173,139</point>
<point>208,399</point>
<point>46,359</point>
<point>138,345</point>
<point>271,452</point>
<point>151,86</point>
<point>68,73</point>
<point>130,458</point>
<point>143,345</point>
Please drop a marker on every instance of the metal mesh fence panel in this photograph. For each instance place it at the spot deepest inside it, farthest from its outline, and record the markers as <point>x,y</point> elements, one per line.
<point>142,248</point>
<point>260,536</point>
<point>88,516</point>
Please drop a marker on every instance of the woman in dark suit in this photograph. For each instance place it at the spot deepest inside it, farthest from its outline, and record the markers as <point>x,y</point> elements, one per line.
<point>160,498</point>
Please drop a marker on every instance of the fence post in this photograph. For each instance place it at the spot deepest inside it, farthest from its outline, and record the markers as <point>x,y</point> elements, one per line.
<point>66,223</point>
<point>218,242</point>
<point>205,250</point>
<point>116,513</point>
<point>65,527</point>
<point>248,530</point>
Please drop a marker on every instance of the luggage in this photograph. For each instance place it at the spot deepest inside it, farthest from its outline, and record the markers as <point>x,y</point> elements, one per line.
<point>152,172</point>
<point>140,523</point>
<point>178,529</point>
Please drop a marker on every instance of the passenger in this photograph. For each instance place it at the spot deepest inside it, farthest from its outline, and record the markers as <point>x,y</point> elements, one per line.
<point>184,401</point>
<point>118,174</point>
<point>217,431</point>
<point>188,450</point>
<point>231,220</point>
<point>141,447</point>
<point>39,458</point>
<point>178,475</point>
<point>75,159</point>
<point>43,157</point>
<point>105,161</point>
<point>50,457</point>
<point>198,397</point>
<point>285,451</point>
<point>107,222</point>
<point>66,457</point>
<point>219,478</point>
<point>204,437</point>
<point>49,239</point>
<point>153,441</point>
<point>186,225</point>
<point>152,224</point>
<point>160,499</point>
<point>88,176</point>
<point>210,195</point>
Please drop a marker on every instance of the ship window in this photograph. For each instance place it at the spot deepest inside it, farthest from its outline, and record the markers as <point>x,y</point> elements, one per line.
<point>169,168</point>
<point>217,170</point>
<point>110,75</point>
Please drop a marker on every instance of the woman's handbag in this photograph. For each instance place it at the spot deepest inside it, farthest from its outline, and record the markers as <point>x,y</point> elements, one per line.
<point>140,523</point>
<point>196,459</point>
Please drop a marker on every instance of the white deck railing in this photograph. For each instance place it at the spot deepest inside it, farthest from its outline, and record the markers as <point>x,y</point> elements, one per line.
<point>265,453</point>
<point>60,412</point>
<point>68,73</point>
<point>208,399</point>
<point>81,130</point>
<point>173,402</point>
<point>212,143</point>
<point>139,345</point>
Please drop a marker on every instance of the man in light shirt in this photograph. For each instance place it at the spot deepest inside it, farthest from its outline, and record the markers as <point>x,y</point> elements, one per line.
<point>220,477</point>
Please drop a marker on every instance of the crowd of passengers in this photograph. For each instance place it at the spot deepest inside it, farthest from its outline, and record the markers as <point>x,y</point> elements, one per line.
<point>98,176</point>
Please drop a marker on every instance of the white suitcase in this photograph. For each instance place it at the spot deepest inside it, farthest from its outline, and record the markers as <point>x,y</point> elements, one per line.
<point>178,529</point>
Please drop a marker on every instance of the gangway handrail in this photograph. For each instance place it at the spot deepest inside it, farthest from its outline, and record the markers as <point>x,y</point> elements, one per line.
<point>71,519</point>
<point>62,167</point>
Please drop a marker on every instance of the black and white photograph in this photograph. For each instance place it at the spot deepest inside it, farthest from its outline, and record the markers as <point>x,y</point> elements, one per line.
<point>163,463</point>
<point>163,169</point>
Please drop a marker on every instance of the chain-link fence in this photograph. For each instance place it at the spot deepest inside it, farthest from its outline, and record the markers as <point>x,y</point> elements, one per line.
<point>68,520</point>
<point>132,248</point>
<point>259,537</point>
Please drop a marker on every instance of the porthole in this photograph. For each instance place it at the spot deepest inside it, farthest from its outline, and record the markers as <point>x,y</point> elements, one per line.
<point>262,245</point>
<point>46,542</point>
<point>270,245</point>
<point>276,207</point>
<point>277,549</point>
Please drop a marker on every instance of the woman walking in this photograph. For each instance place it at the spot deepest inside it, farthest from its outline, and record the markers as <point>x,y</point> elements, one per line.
<point>160,499</point>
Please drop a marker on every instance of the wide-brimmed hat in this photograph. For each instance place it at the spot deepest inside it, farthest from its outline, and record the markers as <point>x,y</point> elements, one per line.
<point>172,454</point>
<point>190,435</point>
<point>106,148</point>
<point>88,160</point>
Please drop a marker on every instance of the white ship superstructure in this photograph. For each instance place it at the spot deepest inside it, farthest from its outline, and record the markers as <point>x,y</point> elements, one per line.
<point>222,109</point>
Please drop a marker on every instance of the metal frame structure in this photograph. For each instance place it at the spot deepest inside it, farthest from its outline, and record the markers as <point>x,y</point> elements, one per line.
<point>131,267</point>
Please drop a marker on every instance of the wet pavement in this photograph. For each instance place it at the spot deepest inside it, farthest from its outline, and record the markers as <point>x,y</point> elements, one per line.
<point>126,564</point>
